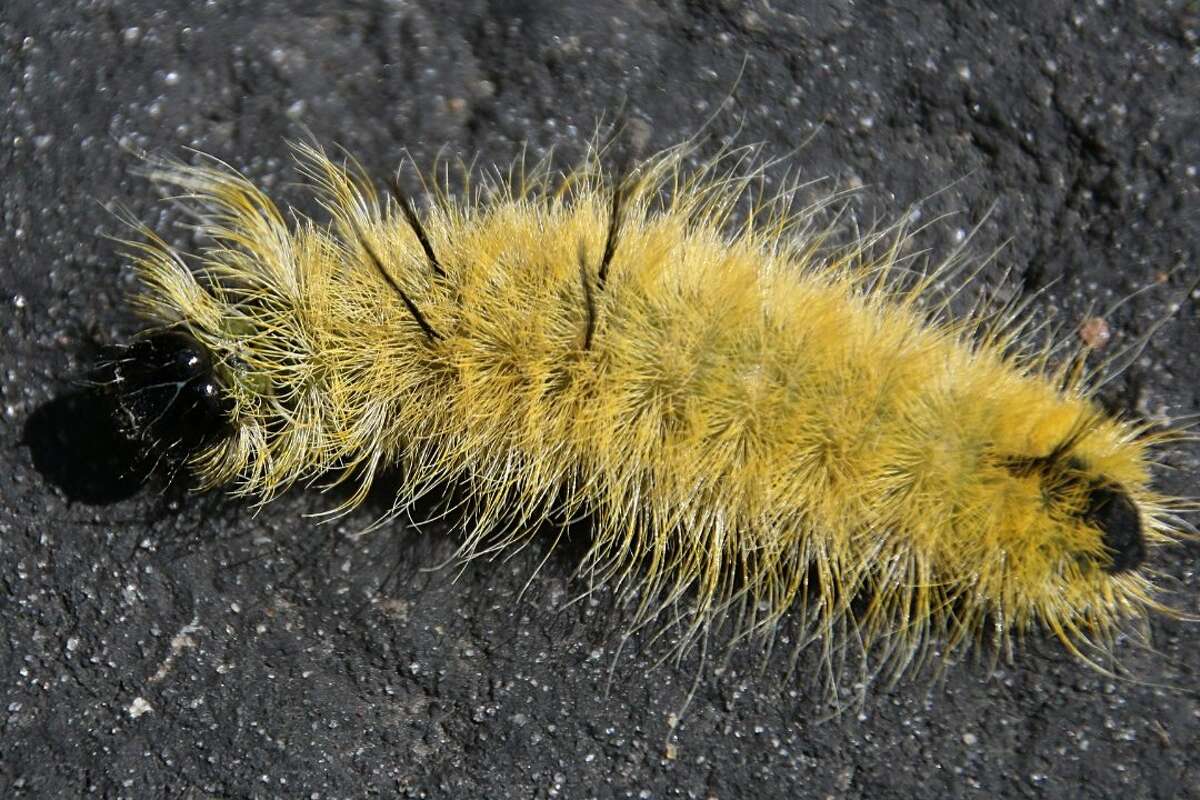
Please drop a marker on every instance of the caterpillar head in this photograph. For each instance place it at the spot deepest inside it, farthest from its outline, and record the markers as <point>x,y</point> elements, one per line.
<point>168,394</point>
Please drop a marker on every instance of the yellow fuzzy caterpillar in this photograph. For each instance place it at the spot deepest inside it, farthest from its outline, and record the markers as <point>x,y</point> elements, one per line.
<point>751,416</point>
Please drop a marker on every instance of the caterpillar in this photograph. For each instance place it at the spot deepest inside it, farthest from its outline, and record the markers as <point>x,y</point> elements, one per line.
<point>754,415</point>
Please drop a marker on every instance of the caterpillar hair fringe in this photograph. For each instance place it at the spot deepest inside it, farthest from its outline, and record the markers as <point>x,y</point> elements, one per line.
<point>758,417</point>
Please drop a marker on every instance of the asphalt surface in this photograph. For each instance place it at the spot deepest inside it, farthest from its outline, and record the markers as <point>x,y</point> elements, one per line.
<point>161,645</point>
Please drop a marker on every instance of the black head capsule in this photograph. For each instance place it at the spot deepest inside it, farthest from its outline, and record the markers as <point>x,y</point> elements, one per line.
<point>168,395</point>
<point>1111,510</point>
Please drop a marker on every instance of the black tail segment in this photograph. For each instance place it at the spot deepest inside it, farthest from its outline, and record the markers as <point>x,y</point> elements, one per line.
<point>1111,510</point>
<point>1108,508</point>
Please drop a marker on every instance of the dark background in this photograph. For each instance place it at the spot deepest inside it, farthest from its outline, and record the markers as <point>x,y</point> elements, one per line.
<point>265,660</point>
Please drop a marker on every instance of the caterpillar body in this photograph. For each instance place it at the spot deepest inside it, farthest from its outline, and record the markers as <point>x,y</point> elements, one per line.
<point>752,417</point>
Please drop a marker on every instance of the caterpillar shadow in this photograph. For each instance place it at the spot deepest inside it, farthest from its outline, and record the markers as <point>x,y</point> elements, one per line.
<point>75,447</point>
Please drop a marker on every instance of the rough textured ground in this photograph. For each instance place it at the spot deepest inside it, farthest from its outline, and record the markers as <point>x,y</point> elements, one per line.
<point>153,647</point>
